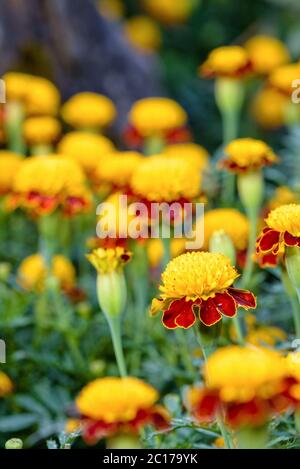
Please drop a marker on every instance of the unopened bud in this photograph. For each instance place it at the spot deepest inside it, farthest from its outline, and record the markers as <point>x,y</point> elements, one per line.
<point>14,443</point>
<point>220,242</point>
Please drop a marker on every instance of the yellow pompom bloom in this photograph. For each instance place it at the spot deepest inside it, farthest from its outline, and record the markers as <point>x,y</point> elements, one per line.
<point>268,108</point>
<point>265,335</point>
<point>283,196</point>
<point>168,11</point>
<point>190,152</point>
<point>143,33</point>
<point>155,250</point>
<point>226,61</point>
<point>285,218</point>
<point>159,179</point>
<point>242,373</point>
<point>247,154</point>
<point>266,53</point>
<point>16,85</point>
<point>6,384</point>
<point>115,400</point>
<point>9,164</point>
<point>151,116</point>
<point>41,130</point>
<point>118,168</point>
<point>115,219</point>
<point>42,98</point>
<point>282,78</point>
<point>88,110</point>
<point>234,223</point>
<point>32,272</point>
<point>87,149</point>
<point>109,260</point>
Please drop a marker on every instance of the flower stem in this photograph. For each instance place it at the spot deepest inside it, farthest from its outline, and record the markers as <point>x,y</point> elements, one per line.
<point>248,270</point>
<point>225,434</point>
<point>239,330</point>
<point>184,352</point>
<point>115,330</point>
<point>292,295</point>
<point>13,126</point>
<point>154,144</point>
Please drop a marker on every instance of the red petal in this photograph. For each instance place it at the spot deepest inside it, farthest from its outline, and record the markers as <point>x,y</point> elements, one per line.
<point>269,260</point>
<point>187,317</point>
<point>244,298</point>
<point>268,240</point>
<point>168,319</point>
<point>209,313</point>
<point>179,314</point>
<point>291,240</point>
<point>225,304</point>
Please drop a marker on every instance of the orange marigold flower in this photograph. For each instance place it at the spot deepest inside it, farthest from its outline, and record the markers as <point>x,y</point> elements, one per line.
<point>247,154</point>
<point>282,230</point>
<point>199,284</point>
<point>266,53</point>
<point>226,61</point>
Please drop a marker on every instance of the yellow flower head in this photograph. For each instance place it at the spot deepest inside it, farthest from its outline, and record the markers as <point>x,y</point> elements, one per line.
<point>266,53</point>
<point>116,218</point>
<point>41,130</point>
<point>151,116</point>
<point>190,152</point>
<point>265,335</point>
<point>16,85</point>
<point>109,260</point>
<point>234,223</point>
<point>283,196</point>
<point>242,373</point>
<point>247,154</point>
<point>6,384</point>
<point>159,179</point>
<point>155,250</point>
<point>118,168</point>
<point>32,272</point>
<point>42,98</point>
<point>168,11</point>
<point>282,78</point>
<point>197,275</point>
<point>143,33</point>
<point>226,61</point>
<point>87,149</point>
<point>268,108</point>
<point>9,164</point>
<point>115,400</point>
<point>285,218</point>
<point>88,110</point>
<point>293,364</point>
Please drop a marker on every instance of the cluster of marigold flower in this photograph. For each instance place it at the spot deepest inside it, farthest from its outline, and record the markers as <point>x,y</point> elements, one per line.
<point>56,178</point>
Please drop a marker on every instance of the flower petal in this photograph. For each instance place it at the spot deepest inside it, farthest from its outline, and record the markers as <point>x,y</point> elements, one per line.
<point>244,298</point>
<point>290,240</point>
<point>225,304</point>
<point>179,314</point>
<point>268,240</point>
<point>268,260</point>
<point>209,313</point>
<point>168,319</point>
<point>186,317</point>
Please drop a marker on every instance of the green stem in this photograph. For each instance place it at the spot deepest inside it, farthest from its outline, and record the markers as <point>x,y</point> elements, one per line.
<point>225,434</point>
<point>115,330</point>
<point>239,330</point>
<point>167,252</point>
<point>248,270</point>
<point>292,295</point>
<point>41,150</point>
<point>230,132</point>
<point>14,127</point>
<point>153,145</point>
<point>184,352</point>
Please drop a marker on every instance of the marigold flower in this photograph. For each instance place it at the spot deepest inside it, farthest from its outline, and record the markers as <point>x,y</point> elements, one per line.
<point>268,108</point>
<point>111,9</point>
<point>109,406</point>
<point>42,97</point>
<point>247,154</point>
<point>32,272</point>
<point>16,85</point>
<point>88,110</point>
<point>282,231</point>
<point>109,260</point>
<point>9,164</point>
<point>265,335</point>
<point>143,33</point>
<point>199,284</point>
<point>282,78</point>
<point>283,195</point>
<point>6,384</point>
<point>190,152</point>
<point>41,130</point>
<point>155,250</point>
<point>152,116</point>
<point>117,168</point>
<point>168,11</point>
<point>43,184</point>
<point>87,149</point>
<point>226,61</point>
<point>159,179</point>
<point>266,53</point>
<point>246,384</point>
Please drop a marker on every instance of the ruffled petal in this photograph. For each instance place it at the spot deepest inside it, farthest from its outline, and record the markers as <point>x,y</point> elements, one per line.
<point>268,240</point>
<point>225,304</point>
<point>179,314</point>
<point>244,298</point>
<point>268,260</point>
<point>291,240</point>
<point>168,319</point>
<point>209,313</point>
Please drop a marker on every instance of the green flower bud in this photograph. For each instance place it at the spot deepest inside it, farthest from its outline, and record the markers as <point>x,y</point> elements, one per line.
<point>14,443</point>
<point>222,243</point>
<point>292,261</point>
<point>251,190</point>
<point>229,94</point>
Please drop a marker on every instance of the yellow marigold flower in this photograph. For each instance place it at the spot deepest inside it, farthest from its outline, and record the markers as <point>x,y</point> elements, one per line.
<point>247,154</point>
<point>168,11</point>
<point>118,167</point>
<point>190,152</point>
<point>115,400</point>
<point>155,250</point>
<point>285,218</point>
<point>114,220</point>
<point>111,9</point>
<point>226,61</point>
<point>143,33</point>
<point>9,164</point>
<point>234,223</point>
<point>266,53</point>
<point>282,78</point>
<point>219,442</point>
<point>265,335</point>
<point>72,425</point>
<point>152,116</point>
<point>88,110</point>
<point>293,364</point>
<point>158,179</point>
<point>268,108</point>
<point>6,384</point>
<point>109,260</point>
<point>283,196</point>
<point>16,85</point>
<point>42,98</point>
<point>32,272</point>
<point>87,149</point>
<point>41,130</point>
<point>199,283</point>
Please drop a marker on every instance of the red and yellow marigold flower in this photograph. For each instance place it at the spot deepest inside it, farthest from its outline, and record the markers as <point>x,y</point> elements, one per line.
<point>247,154</point>
<point>6,384</point>
<point>41,130</point>
<point>46,183</point>
<point>245,384</point>
<point>199,285</point>
<point>117,168</point>
<point>110,406</point>
<point>227,62</point>
<point>88,111</point>
<point>266,53</point>
<point>282,231</point>
<point>191,152</point>
<point>9,164</point>
<point>283,195</point>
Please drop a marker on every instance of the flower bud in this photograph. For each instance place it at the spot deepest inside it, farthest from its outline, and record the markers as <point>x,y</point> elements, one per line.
<point>251,189</point>
<point>229,94</point>
<point>222,243</point>
<point>124,441</point>
<point>14,443</point>
<point>292,261</point>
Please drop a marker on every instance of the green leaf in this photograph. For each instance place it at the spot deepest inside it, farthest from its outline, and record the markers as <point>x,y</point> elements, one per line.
<point>15,423</point>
